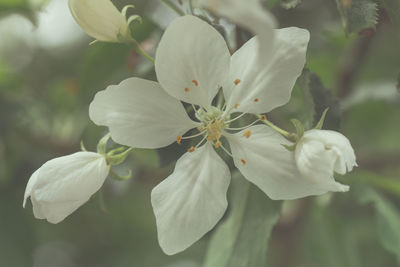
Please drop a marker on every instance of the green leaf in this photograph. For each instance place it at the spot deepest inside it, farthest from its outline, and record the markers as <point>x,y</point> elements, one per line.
<point>393,9</point>
<point>242,239</point>
<point>318,98</point>
<point>388,219</point>
<point>398,82</point>
<point>288,4</point>
<point>357,14</point>
<point>146,157</point>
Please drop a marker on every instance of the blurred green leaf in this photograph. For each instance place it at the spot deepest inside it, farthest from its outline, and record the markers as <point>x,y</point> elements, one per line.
<point>290,3</point>
<point>318,99</point>
<point>398,82</point>
<point>27,8</point>
<point>393,9</point>
<point>357,14</point>
<point>146,157</point>
<point>388,219</point>
<point>242,239</point>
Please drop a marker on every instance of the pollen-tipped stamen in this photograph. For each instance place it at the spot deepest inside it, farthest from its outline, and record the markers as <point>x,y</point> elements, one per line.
<point>245,127</point>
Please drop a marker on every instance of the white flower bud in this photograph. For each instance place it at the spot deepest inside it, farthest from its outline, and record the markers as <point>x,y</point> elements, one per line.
<point>64,184</point>
<point>100,19</point>
<point>321,153</point>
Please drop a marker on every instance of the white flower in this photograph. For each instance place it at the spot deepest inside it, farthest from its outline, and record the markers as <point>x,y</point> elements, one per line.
<point>64,184</point>
<point>248,14</point>
<point>101,19</point>
<point>320,153</point>
<point>192,63</point>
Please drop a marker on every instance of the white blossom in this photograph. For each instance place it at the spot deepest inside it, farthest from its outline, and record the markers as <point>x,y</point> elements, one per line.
<point>100,19</point>
<point>64,184</point>
<point>192,64</point>
<point>321,153</point>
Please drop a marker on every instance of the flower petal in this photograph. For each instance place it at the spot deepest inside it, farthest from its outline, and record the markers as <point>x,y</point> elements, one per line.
<point>192,61</point>
<point>191,200</point>
<point>31,183</point>
<point>338,144</point>
<point>263,160</point>
<point>99,19</point>
<point>251,15</point>
<point>266,86</point>
<point>64,184</point>
<point>140,114</point>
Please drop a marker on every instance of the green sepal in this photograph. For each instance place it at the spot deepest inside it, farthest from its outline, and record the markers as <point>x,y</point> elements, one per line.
<point>83,148</point>
<point>102,145</point>
<point>299,128</point>
<point>291,148</point>
<point>125,9</point>
<point>116,159</point>
<point>134,18</point>
<point>94,42</point>
<point>321,120</point>
<point>119,177</point>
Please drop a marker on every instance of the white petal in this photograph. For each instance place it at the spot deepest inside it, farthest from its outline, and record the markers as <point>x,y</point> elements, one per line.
<point>316,164</point>
<point>337,142</point>
<point>270,166</point>
<point>99,19</point>
<point>140,114</point>
<point>266,86</point>
<point>29,186</point>
<point>192,61</point>
<point>64,184</point>
<point>191,200</point>
<point>251,15</point>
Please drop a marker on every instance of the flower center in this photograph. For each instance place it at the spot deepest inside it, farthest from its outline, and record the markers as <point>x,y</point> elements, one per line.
<point>212,123</point>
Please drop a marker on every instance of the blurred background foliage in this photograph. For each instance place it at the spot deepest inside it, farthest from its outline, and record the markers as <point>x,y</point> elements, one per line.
<point>49,74</point>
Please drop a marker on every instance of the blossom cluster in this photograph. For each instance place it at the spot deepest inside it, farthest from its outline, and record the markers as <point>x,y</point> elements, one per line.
<point>193,65</point>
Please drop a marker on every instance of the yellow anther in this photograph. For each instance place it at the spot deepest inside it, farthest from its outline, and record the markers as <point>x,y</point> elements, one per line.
<point>237,81</point>
<point>179,139</point>
<point>192,149</point>
<point>243,161</point>
<point>218,144</point>
<point>236,105</point>
<point>256,99</point>
<point>247,134</point>
<point>214,130</point>
<point>187,90</point>
<point>195,82</point>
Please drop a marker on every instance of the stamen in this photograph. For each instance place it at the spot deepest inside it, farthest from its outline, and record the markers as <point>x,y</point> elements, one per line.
<point>236,105</point>
<point>191,149</point>
<point>236,118</point>
<point>193,136</point>
<point>243,161</point>
<point>237,81</point>
<point>195,82</point>
<point>187,90</point>
<point>201,142</point>
<point>179,139</point>
<point>226,150</point>
<point>256,99</point>
<point>247,134</point>
<point>245,127</point>
<point>263,117</point>
<point>217,144</point>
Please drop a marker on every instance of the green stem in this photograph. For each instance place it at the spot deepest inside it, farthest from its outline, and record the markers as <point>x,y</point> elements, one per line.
<point>142,52</point>
<point>274,127</point>
<point>174,7</point>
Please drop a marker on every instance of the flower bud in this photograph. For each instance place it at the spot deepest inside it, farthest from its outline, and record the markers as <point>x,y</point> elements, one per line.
<point>321,153</point>
<point>101,20</point>
<point>64,184</point>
